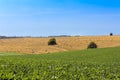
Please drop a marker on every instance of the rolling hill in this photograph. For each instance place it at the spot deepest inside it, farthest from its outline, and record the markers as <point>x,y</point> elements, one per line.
<point>39,45</point>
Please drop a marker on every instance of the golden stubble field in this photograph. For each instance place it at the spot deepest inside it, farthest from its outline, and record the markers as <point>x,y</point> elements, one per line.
<point>39,45</point>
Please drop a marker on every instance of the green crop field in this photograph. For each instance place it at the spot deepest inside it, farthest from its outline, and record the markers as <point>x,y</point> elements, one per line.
<point>92,64</point>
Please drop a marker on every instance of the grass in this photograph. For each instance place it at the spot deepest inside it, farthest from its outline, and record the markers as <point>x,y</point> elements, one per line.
<point>104,55</point>
<point>7,54</point>
<point>91,64</point>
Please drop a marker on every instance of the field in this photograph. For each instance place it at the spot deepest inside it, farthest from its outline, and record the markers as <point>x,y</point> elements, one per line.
<point>91,64</point>
<point>39,45</point>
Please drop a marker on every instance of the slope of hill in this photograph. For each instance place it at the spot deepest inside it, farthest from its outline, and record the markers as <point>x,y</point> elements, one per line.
<point>39,45</point>
<point>92,64</point>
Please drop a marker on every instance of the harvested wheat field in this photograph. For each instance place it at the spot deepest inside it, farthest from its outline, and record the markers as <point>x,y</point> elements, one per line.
<point>39,45</point>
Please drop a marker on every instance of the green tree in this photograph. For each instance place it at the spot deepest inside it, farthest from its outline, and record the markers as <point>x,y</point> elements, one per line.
<point>111,34</point>
<point>92,45</point>
<point>52,41</point>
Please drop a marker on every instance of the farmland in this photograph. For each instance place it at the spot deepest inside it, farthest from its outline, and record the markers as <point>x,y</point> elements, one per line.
<point>91,64</point>
<point>39,45</point>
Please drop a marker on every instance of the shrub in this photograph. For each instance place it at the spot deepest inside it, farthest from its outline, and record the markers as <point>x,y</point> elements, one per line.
<point>52,41</point>
<point>92,45</point>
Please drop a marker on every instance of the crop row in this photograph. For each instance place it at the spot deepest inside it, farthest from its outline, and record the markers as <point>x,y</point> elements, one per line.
<point>53,71</point>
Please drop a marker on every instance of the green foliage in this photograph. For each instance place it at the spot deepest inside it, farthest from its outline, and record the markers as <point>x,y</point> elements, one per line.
<point>92,64</point>
<point>92,45</point>
<point>52,41</point>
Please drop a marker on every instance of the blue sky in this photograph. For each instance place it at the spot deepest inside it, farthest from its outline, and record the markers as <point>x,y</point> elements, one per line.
<point>59,17</point>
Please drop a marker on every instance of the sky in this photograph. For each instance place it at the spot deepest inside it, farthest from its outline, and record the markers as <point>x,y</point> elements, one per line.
<point>59,17</point>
